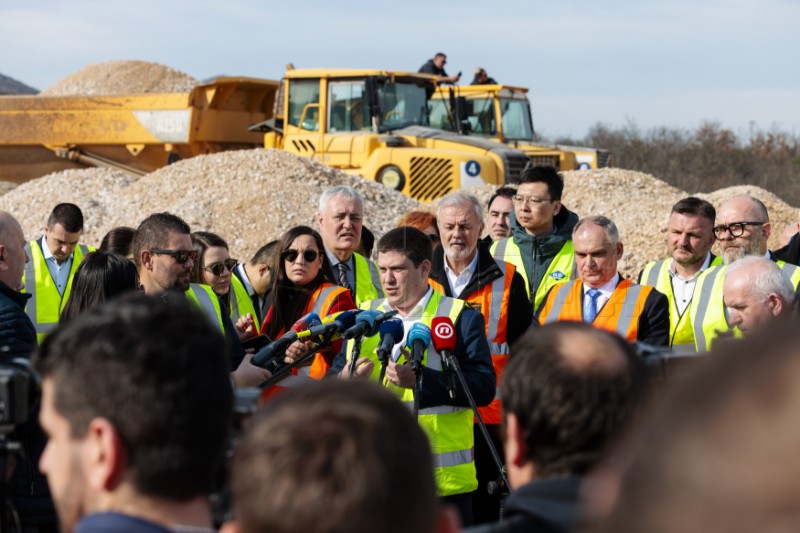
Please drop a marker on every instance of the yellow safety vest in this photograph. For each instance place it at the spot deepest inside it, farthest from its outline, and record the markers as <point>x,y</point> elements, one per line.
<point>681,335</point>
<point>708,308</point>
<point>45,307</point>
<point>561,268</point>
<point>368,280</point>
<point>449,428</point>
<point>207,300</point>
<point>241,304</point>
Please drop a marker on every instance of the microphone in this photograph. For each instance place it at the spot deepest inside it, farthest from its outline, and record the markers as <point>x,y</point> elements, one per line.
<point>444,341</point>
<point>419,338</point>
<point>269,351</point>
<point>391,333</point>
<point>333,324</point>
<point>367,324</point>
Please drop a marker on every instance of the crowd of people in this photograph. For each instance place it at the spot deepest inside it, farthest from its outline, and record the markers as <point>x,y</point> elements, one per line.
<point>529,410</point>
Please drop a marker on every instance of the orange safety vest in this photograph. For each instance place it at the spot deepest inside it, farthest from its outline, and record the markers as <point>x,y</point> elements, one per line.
<point>619,315</point>
<point>491,301</point>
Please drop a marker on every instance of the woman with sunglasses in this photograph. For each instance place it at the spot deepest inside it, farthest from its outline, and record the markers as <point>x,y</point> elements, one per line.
<point>303,284</point>
<point>214,267</point>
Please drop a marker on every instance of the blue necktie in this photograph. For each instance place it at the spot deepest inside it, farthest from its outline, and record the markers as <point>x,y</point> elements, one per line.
<point>591,313</point>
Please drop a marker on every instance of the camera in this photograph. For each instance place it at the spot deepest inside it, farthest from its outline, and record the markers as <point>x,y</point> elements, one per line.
<point>18,393</point>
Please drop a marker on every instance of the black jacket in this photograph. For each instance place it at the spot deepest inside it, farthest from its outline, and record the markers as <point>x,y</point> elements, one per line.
<point>430,68</point>
<point>546,506</point>
<point>520,312</point>
<point>789,253</point>
<point>17,335</point>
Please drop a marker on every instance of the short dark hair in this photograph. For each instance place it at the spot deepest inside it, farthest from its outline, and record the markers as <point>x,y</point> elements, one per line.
<point>695,207</point>
<point>118,240</point>
<point>335,456</point>
<point>100,276</point>
<point>505,192</point>
<point>154,232</point>
<point>157,370</point>
<point>548,175</point>
<point>265,255</point>
<point>202,241</point>
<point>570,412</point>
<point>367,240</point>
<point>68,215</point>
<point>408,240</point>
<point>440,54</point>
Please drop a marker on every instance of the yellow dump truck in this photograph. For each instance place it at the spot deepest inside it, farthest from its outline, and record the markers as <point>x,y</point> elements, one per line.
<point>136,133</point>
<point>503,113</point>
<point>374,123</point>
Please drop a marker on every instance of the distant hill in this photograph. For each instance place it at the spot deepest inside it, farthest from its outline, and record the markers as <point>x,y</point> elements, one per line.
<point>12,86</point>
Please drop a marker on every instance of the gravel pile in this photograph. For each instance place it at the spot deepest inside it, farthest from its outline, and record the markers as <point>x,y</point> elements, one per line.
<point>249,197</point>
<point>122,77</point>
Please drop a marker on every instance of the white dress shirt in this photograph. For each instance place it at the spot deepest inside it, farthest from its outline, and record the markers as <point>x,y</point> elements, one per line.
<point>683,289</point>
<point>414,317</point>
<point>459,281</point>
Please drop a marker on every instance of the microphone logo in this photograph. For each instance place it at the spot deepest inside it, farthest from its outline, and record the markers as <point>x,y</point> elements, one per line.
<point>444,330</point>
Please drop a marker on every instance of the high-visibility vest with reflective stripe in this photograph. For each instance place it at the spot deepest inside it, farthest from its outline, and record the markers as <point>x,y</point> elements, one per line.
<point>449,428</point>
<point>620,314</point>
<point>492,302</point>
<point>46,304</point>
<point>241,304</point>
<point>561,268</point>
<point>708,307</point>
<point>368,280</point>
<point>681,335</point>
<point>207,300</point>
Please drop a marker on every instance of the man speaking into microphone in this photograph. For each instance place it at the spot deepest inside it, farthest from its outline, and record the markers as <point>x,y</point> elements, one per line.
<point>404,262</point>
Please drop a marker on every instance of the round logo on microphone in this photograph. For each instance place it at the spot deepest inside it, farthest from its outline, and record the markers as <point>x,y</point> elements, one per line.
<point>444,331</point>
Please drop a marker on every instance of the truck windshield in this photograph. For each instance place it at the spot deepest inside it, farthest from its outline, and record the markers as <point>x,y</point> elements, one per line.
<point>479,113</point>
<point>517,124</point>
<point>402,104</point>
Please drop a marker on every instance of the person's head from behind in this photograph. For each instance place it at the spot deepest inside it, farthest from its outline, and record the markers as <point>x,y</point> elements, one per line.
<point>259,268</point>
<point>568,393</point>
<point>334,456</point>
<point>404,263</point>
<point>118,240</point>
<point>163,253</point>
<point>63,230</point>
<point>717,450</point>
<point>214,265</point>
<point>690,231</point>
<point>136,401</point>
<point>742,228</point>
<point>538,199</point>
<point>12,251</point>
<point>423,220</point>
<point>756,292</point>
<point>100,277</point>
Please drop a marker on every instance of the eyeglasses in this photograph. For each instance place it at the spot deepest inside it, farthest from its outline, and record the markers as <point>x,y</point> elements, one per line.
<point>181,256</point>
<point>736,229</point>
<point>530,200</point>
<point>291,255</point>
<point>219,268</point>
<point>434,238</point>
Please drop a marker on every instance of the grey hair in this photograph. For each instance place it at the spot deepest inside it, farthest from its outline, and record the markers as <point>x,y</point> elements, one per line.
<point>339,190</point>
<point>609,228</point>
<point>459,198</point>
<point>765,279</point>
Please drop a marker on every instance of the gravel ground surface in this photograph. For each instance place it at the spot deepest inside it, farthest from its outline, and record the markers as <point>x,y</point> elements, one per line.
<point>122,77</point>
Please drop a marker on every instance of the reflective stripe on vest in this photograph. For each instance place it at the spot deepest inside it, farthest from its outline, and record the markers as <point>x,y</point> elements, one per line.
<point>566,303</point>
<point>368,280</point>
<point>241,304</point>
<point>207,300</point>
<point>45,306</point>
<point>561,267</point>
<point>449,428</point>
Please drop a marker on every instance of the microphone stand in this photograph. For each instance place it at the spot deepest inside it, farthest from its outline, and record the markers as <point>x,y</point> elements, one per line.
<point>416,366</point>
<point>354,353</point>
<point>383,357</point>
<point>288,367</point>
<point>451,365</point>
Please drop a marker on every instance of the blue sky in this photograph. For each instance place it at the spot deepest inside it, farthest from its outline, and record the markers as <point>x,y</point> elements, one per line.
<point>657,63</point>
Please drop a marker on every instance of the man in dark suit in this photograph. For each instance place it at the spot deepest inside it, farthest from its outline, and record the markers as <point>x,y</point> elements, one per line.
<point>600,296</point>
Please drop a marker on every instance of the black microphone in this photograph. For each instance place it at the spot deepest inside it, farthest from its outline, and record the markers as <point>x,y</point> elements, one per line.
<point>368,324</point>
<point>391,333</point>
<point>271,350</point>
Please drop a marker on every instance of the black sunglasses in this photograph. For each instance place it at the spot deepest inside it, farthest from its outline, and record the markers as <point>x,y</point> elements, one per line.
<point>181,256</point>
<point>219,268</point>
<point>291,255</point>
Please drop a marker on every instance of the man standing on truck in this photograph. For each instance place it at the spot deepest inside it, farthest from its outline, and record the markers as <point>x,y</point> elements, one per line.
<point>54,258</point>
<point>435,66</point>
<point>540,246</point>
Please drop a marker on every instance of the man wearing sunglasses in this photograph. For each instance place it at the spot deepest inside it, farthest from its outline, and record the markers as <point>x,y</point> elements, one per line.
<point>462,269</point>
<point>742,230</point>
<point>54,259</point>
<point>340,218</point>
<point>163,253</point>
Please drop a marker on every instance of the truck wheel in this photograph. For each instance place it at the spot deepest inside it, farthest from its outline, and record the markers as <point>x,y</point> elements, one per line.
<point>392,177</point>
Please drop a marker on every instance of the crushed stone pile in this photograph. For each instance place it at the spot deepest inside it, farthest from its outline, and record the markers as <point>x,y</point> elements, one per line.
<point>122,77</point>
<point>248,197</point>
